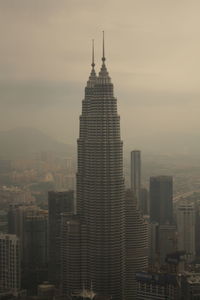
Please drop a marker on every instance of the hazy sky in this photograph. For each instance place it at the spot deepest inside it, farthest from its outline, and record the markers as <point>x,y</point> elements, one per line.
<point>153,56</point>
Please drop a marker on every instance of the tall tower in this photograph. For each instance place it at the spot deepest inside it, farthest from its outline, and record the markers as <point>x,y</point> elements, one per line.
<point>136,258</point>
<point>10,263</point>
<point>70,253</point>
<point>58,203</point>
<point>136,174</point>
<point>186,228</point>
<point>100,186</point>
<point>35,250</point>
<point>161,194</point>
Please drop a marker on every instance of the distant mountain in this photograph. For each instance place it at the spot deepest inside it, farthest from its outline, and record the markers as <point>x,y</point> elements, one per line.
<point>25,142</point>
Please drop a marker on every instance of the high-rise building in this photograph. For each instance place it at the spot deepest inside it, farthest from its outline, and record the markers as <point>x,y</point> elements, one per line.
<point>162,241</point>
<point>186,228</point>
<point>16,219</point>
<point>161,286</point>
<point>9,263</point>
<point>161,195</point>
<point>35,251</point>
<point>197,226</point>
<point>3,221</point>
<point>71,245</point>
<point>144,201</point>
<point>167,241</point>
<point>35,239</point>
<point>153,243</point>
<point>136,255</point>
<point>190,286</point>
<point>58,203</point>
<point>29,223</point>
<point>100,187</point>
<point>136,174</point>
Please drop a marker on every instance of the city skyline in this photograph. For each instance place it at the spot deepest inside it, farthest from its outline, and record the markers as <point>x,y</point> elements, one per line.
<point>85,222</point>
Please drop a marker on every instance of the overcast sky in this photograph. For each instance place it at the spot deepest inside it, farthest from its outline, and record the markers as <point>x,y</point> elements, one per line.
<point>153,57</point>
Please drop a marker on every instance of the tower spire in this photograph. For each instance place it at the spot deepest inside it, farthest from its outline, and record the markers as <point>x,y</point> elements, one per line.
<point>93,64</point>
<point>103,57</point>
<point>92,77</point>
<point>103,74</point>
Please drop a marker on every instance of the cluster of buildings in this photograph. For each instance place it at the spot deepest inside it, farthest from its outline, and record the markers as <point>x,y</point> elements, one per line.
<point>102,241</point>
<point>46,167</point>
<point>14,194</point>
<point>171,225</point>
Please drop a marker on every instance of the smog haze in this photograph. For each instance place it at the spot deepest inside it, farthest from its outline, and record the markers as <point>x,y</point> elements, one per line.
<point>152,54</point>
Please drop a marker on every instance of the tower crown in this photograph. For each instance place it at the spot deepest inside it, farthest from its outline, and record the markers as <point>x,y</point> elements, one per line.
<point>92,78</point>
<point>104,77</point>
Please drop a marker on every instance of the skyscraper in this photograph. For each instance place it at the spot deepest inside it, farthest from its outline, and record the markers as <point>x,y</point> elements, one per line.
<point>100,187</point>
<point>136,255</point>
<point>58,203</point>
<point>29,223</point>
<point>70,253</point>
<point>167,241</point>
<point>158,285</point>
<point>161,194</point>
<point>136,174</point>
<point>17,215</point>
<point>186,228</point>
<point>9,263</point>
<point>35,250</point>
